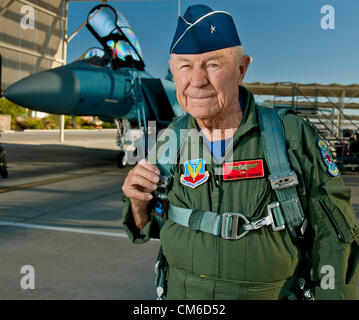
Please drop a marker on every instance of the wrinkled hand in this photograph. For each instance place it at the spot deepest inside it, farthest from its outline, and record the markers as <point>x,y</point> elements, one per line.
<point>140,182</point>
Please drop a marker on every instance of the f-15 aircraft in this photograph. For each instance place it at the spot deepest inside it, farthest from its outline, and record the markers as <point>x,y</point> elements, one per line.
<point>108,82</point>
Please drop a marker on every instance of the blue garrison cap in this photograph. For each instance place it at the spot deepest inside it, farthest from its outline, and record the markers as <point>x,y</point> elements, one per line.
<point>202,29</point>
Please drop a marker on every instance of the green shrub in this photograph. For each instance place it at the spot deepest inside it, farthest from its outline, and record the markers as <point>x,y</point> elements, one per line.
<point>18,124</point>
<point>108,125</point>
<point>12,109</point>
<point>21,121</point>
<point>52,120</point>
<point>8,107</point>
<point>83,123</point>
<point>49,124</point>
<point>34,124</point>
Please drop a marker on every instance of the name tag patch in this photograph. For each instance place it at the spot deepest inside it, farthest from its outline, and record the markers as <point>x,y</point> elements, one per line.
<point>248,169</point>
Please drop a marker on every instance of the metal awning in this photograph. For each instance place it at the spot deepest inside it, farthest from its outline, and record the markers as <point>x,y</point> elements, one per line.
<point>326,105</point>
<point>284,89</point>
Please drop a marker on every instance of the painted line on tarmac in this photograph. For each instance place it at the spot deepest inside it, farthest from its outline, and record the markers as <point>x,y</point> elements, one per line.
<point>48,181</point>
<point>40,183</point>
<point>63,229</point>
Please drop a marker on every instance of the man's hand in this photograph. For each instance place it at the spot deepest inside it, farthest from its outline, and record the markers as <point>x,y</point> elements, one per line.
<point>140,182</point>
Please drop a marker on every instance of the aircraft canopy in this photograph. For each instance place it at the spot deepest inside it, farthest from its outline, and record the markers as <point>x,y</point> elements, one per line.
<point>96,56</point>
<point>110,25</point>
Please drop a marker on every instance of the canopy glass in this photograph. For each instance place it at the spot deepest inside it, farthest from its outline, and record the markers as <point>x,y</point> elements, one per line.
<point>107,22</point>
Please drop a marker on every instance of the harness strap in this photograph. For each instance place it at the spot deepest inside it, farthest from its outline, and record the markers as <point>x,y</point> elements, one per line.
<point>195,219</point>
<point>166,166</point>
<point>226,225</point>
<point>282,178</point>
<point>166,163</point>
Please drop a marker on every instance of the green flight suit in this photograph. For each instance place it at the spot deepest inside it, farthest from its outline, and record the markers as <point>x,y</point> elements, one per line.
<point>264,263</point>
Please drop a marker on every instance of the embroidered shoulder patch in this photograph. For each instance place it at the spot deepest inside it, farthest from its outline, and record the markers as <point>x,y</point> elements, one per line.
<point>327,158</point>
<point>243,170</point>
<point>195,173</point>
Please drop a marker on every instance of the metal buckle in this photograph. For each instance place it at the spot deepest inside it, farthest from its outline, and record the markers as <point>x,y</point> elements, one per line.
<point>270,207</point>
<point>157,267</point>
<point>283,181</point>
<point>266,221</point>
<point>162,187</point>
<point>235,217</point>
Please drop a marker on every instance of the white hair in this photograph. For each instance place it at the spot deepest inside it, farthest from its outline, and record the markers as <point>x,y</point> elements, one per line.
<point>240,50</point>
<point>239,53</point>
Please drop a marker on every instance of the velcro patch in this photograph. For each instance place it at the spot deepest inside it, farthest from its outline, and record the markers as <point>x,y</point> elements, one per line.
<point>327,158</point>
<point>247,169</point>
<point>195,173</point>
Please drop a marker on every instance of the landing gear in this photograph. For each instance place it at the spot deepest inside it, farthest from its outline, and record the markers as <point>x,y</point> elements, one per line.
<point>121,159</point>
<point>123,126</point>
<point>3,168</point>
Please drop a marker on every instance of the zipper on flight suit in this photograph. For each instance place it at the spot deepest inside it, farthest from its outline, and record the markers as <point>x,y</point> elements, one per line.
<point>334,225</point>
<point>218,181</point>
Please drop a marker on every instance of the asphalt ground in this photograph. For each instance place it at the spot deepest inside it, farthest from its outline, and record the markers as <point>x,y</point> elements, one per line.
<point>60,212</point>
<point>75,188</point>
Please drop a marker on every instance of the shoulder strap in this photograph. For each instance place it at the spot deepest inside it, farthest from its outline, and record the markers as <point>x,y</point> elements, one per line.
<point>282,112</point>
<point>283,180</point>
<point>166,164</point>
<point>167,168</point>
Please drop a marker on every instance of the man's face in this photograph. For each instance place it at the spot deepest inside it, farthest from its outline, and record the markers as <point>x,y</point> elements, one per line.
<point>207,83</point>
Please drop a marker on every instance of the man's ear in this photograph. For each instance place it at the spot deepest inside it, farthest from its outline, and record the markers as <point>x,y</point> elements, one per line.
<point>243,66</point>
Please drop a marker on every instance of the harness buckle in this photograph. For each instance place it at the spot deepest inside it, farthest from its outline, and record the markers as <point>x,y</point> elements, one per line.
<point>230,223</point>
<point>277,225</point>
<point>266,221</point>
<point>157,267</point>
<point>161,204</point>
<point>283,181</point>
<point>162,187</point>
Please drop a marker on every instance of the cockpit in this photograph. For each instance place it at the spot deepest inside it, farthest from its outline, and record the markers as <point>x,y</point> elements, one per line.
<point>114,32</point>
<point>96,56</point>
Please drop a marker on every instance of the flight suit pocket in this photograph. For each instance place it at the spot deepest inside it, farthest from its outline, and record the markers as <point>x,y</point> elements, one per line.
<point>341,220</point>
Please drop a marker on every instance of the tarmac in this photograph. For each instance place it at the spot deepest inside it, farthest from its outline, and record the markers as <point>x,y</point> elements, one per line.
<point>60,212</point>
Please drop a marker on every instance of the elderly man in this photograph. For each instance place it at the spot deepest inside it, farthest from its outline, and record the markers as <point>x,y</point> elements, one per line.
<point>208,67</point>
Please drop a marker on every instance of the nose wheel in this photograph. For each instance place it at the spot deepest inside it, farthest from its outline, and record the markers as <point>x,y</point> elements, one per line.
<point>121,159</point>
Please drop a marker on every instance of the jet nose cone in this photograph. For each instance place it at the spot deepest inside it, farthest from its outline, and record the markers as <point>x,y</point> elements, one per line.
<point>52,91</point>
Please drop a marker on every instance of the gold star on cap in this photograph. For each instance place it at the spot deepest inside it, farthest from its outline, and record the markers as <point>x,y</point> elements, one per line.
<point>212,29</point>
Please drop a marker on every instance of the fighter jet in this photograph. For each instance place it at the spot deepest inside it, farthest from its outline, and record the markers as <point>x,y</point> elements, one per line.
<point>109,82</point>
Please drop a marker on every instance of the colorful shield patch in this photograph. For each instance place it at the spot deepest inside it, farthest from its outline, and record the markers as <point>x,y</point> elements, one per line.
<point>247,169</point>
<point>195,173</point>
<point>327,158</point>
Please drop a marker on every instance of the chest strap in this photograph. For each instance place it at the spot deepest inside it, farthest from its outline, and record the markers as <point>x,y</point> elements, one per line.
<point>229,225</point>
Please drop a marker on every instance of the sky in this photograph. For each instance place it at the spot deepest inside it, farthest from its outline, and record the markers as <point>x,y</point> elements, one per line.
<point>285,38</point>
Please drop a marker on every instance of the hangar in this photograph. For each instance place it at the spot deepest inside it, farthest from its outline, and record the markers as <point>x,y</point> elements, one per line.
<point>33,38</point>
